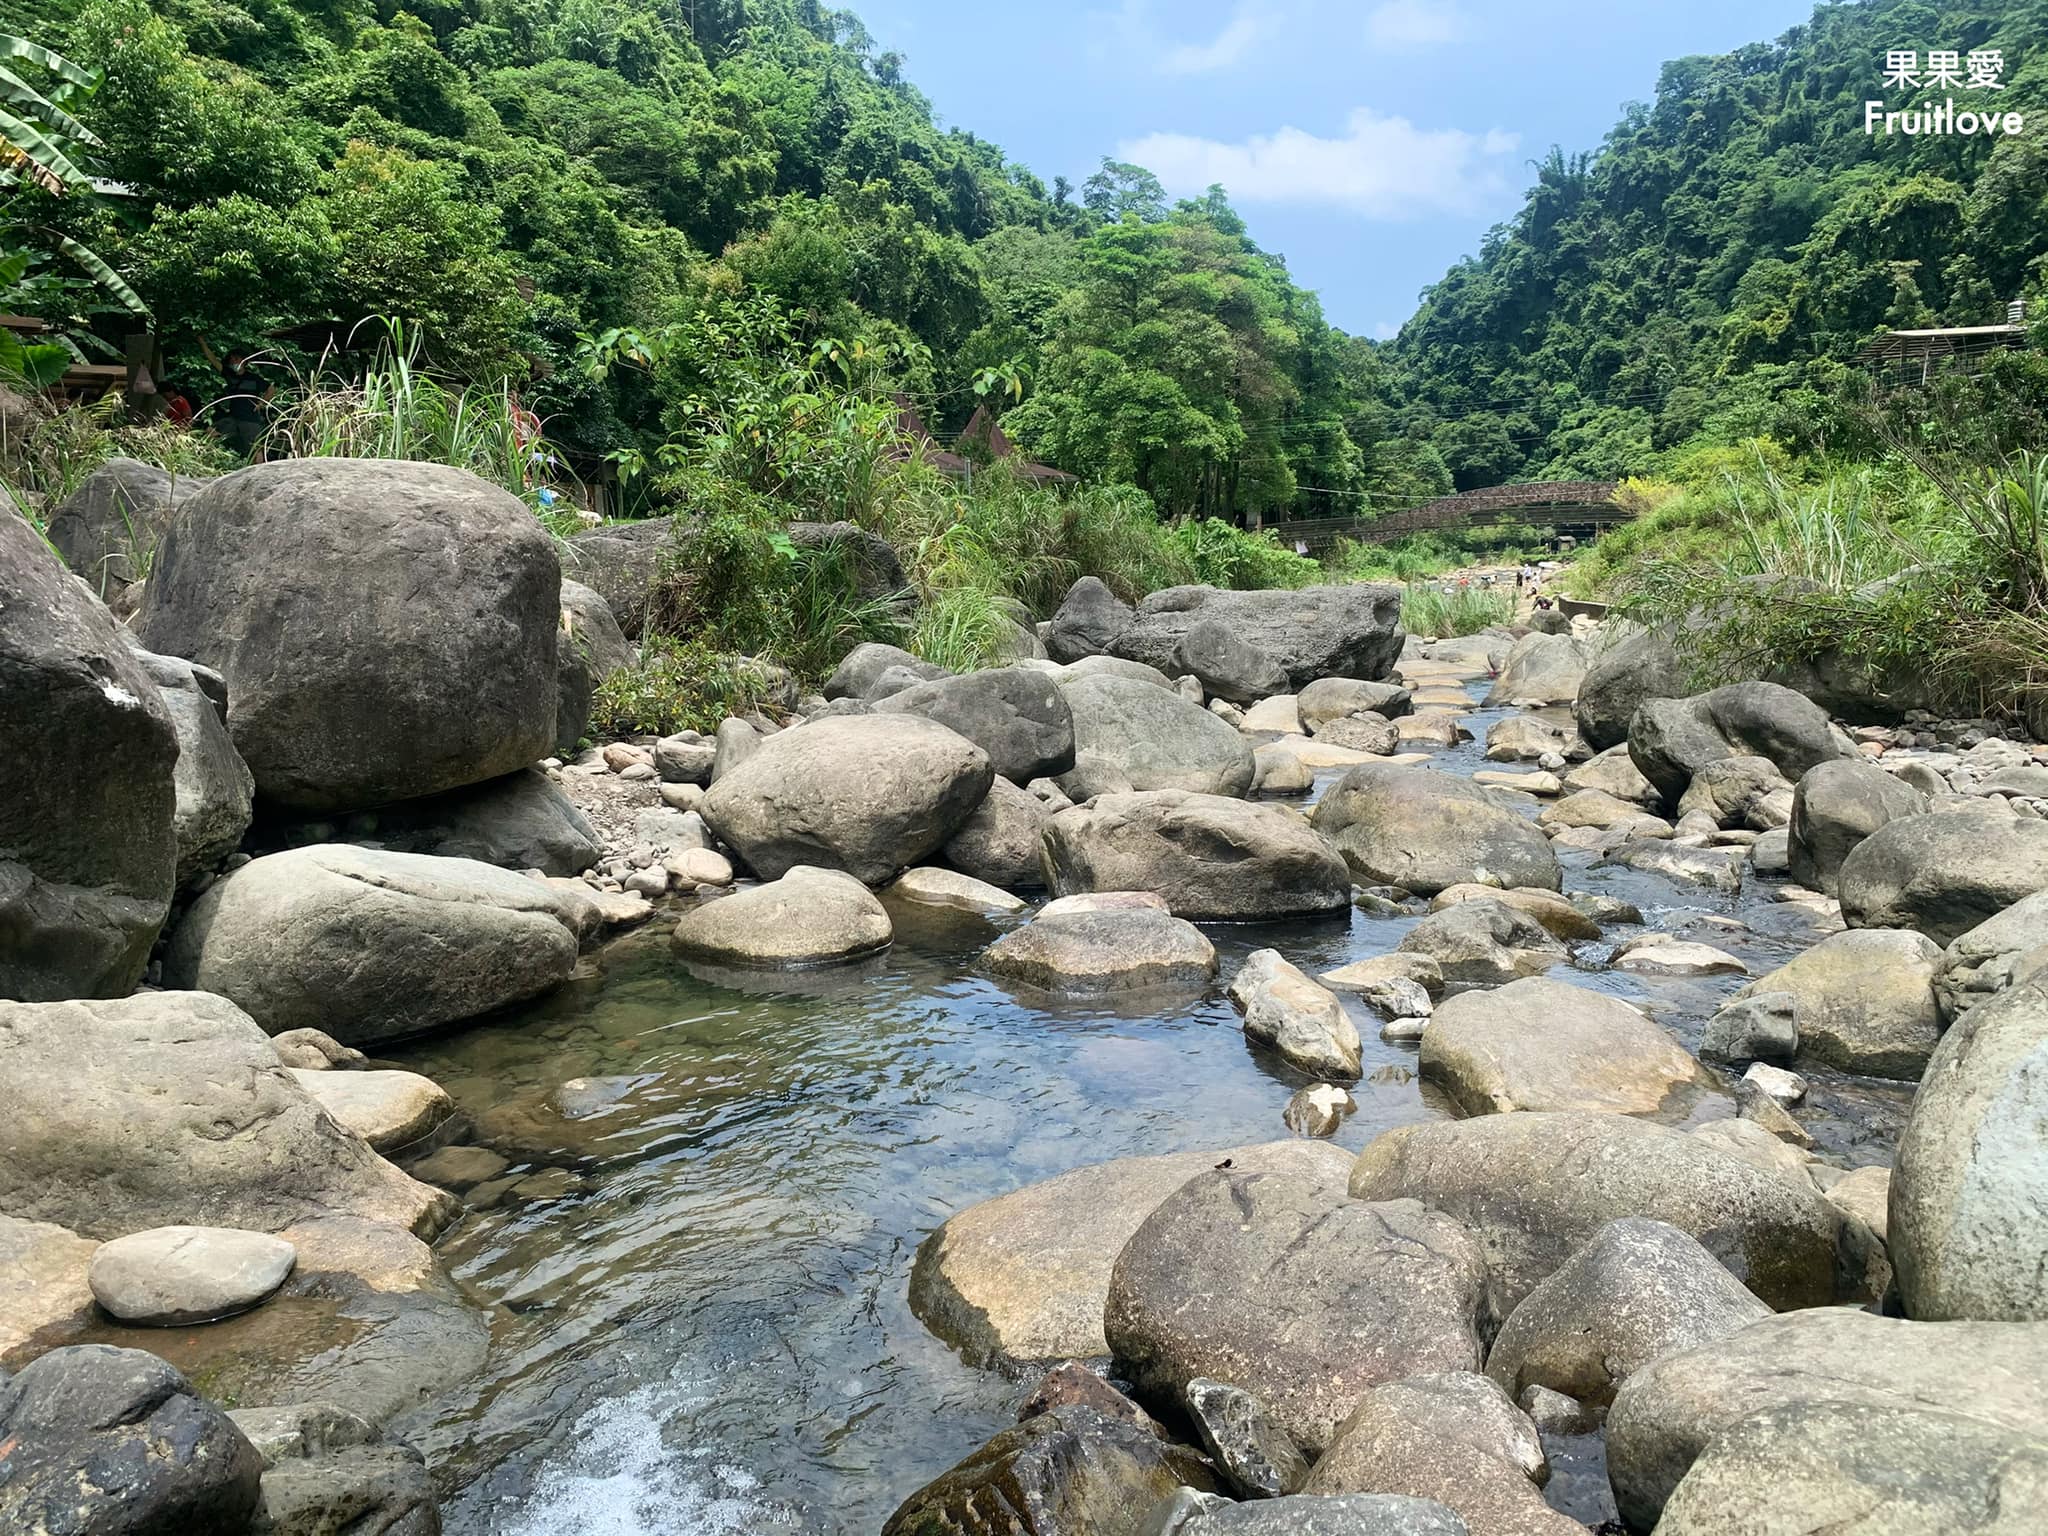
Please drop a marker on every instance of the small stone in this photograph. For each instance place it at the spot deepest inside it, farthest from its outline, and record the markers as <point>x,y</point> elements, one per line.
<point>1256,1454</point>
<point>651,882</point>
<point>1607,910</point>
<point>1318,1110</point>
<point>1303,1022</point>
<point>1403,1031</point>
<point>700,866</point>
<point>316,1051</point>
<point>1785,1087</point>
<point>459,1168</point>
<point>168,1277</point>
<point>388,1109</point>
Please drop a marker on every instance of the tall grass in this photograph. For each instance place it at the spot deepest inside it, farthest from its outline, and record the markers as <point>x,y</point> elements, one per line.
<point>1441,614</point>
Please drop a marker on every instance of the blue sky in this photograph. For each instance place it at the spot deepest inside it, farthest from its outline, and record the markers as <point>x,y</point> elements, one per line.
<point>1371,142</point>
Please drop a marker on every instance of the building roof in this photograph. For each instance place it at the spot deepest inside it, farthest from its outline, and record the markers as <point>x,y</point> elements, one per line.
<point>1939,341</point>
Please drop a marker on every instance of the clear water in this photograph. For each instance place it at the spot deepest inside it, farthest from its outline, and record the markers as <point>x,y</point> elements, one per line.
<point>710,1332</point>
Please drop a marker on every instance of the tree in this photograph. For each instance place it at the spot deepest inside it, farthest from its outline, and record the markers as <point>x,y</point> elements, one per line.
<point>1119,189</point>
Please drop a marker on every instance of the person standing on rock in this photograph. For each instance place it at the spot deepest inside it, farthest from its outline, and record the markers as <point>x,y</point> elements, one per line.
<point>243,411</point>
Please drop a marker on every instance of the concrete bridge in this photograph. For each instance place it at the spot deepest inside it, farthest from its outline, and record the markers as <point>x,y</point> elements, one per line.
<point>1579,508</point>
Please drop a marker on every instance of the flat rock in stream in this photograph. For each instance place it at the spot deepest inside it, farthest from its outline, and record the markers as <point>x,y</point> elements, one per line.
<point>1423,830</point>
<point>806,917</point>
<point>168,1277</point>
<point>1104,953</point>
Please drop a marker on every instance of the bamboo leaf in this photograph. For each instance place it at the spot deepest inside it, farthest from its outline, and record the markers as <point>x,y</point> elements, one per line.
<point>18,91</point>
<point>105,275</point>
<point>12,47</point>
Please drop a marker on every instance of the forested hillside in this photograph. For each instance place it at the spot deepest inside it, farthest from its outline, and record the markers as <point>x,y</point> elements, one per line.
<point>513,175</point>
<point>1729,246</point>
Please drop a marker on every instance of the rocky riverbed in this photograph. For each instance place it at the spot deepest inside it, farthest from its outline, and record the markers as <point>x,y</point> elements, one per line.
<point>1228,1053</point>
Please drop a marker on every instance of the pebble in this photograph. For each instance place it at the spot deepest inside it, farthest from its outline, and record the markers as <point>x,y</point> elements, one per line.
<point>1318,1110</point>
<point>648,882</point>
<point>1403,1031</point>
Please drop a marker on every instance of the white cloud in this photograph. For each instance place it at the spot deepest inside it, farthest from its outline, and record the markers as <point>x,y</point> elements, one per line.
<point>1382,167</point>
<point>1245,28</point>
<point>1386,330</point>
<point>1412,24</point>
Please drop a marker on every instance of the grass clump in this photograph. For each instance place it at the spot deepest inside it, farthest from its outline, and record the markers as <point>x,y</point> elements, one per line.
<point>1441,614</point>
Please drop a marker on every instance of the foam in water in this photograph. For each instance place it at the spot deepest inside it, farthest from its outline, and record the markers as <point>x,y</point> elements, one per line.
<point>623,1479</point>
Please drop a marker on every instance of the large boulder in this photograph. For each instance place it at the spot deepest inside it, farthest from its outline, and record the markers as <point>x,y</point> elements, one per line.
<point>117,1443</point>
<point>868,794</point>
<point>370,945</point>
<point>1943,874</point>
<point>1276,1283</point>
<point>1103,953</point>
<point>171,1109</point>
<point>1088,621</point>
<point>622,563</point>
<point>1226,665</point>
<point>1423,829</point>
<point>1669,1412</point>
<point>1862,1000</point>
<point>109,528</point>
<point>1638,1289</point>
<point>1836,806</point>
<point>1312,632</point>
<point>386,629</point>
<point>863,667</point>
<point>1631,667</point>
<point>1969,1192</point>
<point>872,566</point>
<point>1451,1437</point>
<point>1299,1019</point>
<point>1016,715</point>
<point>88,833</point>
<point>1071,1470</point>
<point>1542,1044</point>
<point>1334,698</point>
<point>1670,740</point>
<point>215,790</point>
<point>589,647</point>
<point>804,916</point>
<point>1003,841</point>
<point>1209,856</point>
<point>522,821</point>
<point>1541,670</point>
<point>1861,1469</point>
<point>1155,738</point>
<point>1998,953</point>
<point>1023,1277</point>
<point>1534,1187</point>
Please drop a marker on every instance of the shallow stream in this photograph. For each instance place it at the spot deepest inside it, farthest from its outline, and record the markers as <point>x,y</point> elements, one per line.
<point>706,1330</point>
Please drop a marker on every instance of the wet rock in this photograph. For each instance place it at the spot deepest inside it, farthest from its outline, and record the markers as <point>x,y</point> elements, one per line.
<point>1188,1513</point>
<point>1209,856</point>
<point>1155,739</point>
<point>1453,1437</point>
<point>329,1471</point>
<point>1024,1276</point>
<point>1276,1283</point>
<point>1226,665</point>
<point>1016,715</point>
<point>1256,1455</point>
<point>167,1277</point>
<point>1661,954</point>
<point>1540,669</point>
<point>1715,869</point>
<point>1997,954</point>
<point>1371,978</point>
<point>1525,739</point>
<point>1861,1469</point>
<point>1484,943</point>
<point>183,1093</point>
<point>1104,901</point>
<point>1538,1044</point>
<point>391,1110</point>
<point>1072,1384</point>
<point>1003,840</point>
<point>1332,698</point>
<point>1636,1290</point>
<point>1318,1110</point>
<point>949,888</point>
<point>1671,740</point>
<point>521,821</point>
<point>867,794</point>
<point>1302,1022</point>
<point>1969,1228</point>
<point>1094,954</point>
<point>1535,1187</point>
<point>1312,632</point>
<point>88,839</point>
<point>1667,1413</point>
<point>1088,621</point>
<point>863,666</point>
<point>1836,806</point>
<point>1761,1026</point>
<point>299,580</point>
<point>1862,1000</point>
<point>804,917</point>
<point>1070,1470</point>
<point>459,1168</point>
<point>1423,830</point>
<point>369,945</point>
<point>1943,874</point>
<point>215,790</point>
<point>116,1442</point>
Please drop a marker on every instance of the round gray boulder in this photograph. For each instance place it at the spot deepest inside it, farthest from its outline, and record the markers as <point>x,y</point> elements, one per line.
<point>167,1277</point>
<point>1003,841</point>
<point>386,629</point>
<point>1943,874</point>
<point>1088,621</point>
<point>1998,953</point>
<point>1835,807</point>
<point>1227,666</point>
<point>1670,740</point>
<point>521,821</point>
<point>1156,738</point>
<point>803,917</point>
<point>1862,1000</point>
<point>1540,669</point>
<point>1423,830</point>
<point>216,791</point>
<point>1096,954</point>
<point>1016,715</point>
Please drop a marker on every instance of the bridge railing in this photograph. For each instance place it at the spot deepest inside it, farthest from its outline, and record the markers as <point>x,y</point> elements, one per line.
<point>1575,502</point>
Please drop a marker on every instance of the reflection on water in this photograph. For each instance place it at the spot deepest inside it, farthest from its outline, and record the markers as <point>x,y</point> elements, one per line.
<point>709,1332</point>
